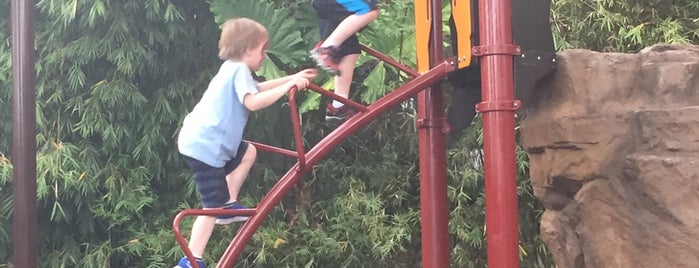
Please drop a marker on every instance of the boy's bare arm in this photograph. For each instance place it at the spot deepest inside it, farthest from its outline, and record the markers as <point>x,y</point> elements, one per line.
<point>309,74</point>
<point>269,84</point>
<point>262,99</point>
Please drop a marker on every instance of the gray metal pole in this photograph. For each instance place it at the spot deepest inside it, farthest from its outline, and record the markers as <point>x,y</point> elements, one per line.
<point>23,135</point>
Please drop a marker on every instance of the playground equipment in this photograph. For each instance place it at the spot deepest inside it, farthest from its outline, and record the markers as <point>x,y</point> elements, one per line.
<point>500,75</point>
<point>496,53</point>
<point>306,160</point>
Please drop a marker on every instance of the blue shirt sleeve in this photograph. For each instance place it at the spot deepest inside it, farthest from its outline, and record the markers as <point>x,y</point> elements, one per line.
<point>244,84</point>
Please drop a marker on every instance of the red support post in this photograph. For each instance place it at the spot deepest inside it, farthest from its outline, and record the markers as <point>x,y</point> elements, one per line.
<point>498,107</point>
<point>24,217</point>
<point>433,157</point>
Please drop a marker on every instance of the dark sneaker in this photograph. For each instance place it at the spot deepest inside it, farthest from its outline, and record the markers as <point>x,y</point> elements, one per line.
<point>327,58</point>
<point>232,219</point>
<point>339,114</point>
<point>184,263</point>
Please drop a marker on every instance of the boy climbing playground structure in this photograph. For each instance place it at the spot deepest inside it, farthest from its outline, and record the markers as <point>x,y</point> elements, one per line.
<point>504,66</point>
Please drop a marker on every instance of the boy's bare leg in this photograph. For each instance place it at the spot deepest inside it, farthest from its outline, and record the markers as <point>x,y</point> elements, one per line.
<point>201,231</point>
<point>236,178</point>
<point>344,81</point>
<point>348,27</point>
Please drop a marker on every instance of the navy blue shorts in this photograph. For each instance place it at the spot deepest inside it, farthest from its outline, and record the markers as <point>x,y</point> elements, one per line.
<point>331,12</point>
<point>211,181</point>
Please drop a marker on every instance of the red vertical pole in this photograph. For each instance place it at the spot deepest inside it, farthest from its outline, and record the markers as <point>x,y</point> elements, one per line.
<point>498,106</point>
<point>432,148</point>
<point>23,135</point>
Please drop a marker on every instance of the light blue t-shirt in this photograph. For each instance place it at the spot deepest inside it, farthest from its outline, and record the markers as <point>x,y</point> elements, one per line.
<point>213,130</point>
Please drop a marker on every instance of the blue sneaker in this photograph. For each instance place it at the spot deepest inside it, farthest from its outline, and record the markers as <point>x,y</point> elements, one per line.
<point>232,219</point>
<point>184,263</point>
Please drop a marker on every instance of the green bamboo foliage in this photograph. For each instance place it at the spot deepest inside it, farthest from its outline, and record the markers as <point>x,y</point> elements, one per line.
<point>113,82</point>
<point>624,26</point>
<point>5,74</point>
<point>5,133</point>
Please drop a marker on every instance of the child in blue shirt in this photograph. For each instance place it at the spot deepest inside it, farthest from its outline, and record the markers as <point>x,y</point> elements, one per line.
<point>211,135</point>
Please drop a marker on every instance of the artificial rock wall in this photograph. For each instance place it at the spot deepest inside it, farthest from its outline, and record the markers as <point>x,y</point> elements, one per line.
<point>613,143</point>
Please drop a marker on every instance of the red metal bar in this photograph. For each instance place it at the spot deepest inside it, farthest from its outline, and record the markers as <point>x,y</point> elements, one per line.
<point>334,96</point>
<point>390,61</point>
<point>296,124</point>
<point>24,218</point>
<point>321,149</point>
<point>433,158</point>
<point>201,212</point>
<point>272,149</point>
<point>499,134</point>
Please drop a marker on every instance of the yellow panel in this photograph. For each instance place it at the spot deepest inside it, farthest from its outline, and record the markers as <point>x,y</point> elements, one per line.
<point>423,21</point>
<point>461,11</point>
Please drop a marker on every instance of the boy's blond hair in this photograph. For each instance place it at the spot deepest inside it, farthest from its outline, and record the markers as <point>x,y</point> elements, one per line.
<point>239,35</point>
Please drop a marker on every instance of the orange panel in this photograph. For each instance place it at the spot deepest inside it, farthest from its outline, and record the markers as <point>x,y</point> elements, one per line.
<point>461,11</point>
<point>423,21</point>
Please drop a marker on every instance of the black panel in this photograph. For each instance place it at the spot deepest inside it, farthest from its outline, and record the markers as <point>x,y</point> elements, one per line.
<point>531,30</point>
<point>466,82</point>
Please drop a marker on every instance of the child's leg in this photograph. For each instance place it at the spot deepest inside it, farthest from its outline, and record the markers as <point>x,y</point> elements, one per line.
<point>344,81</point>
<point>210,182</point>
<point>236,178</point>
<point>348,27</point>
<point>201,231</point>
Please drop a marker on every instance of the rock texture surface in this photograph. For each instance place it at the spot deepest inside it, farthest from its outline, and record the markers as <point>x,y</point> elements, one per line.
<point>613,143</point>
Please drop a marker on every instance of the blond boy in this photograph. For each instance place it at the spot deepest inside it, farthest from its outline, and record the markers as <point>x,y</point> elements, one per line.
<point>211,135</point>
